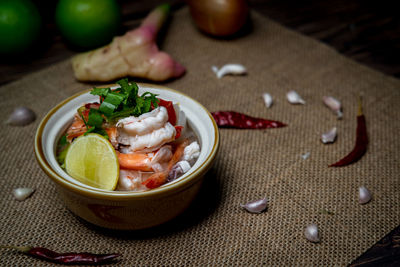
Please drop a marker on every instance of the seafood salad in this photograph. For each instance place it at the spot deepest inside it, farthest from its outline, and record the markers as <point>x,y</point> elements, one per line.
<point>150,135</point>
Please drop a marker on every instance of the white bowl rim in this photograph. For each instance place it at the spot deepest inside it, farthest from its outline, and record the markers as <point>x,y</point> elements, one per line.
<point>172,187</point>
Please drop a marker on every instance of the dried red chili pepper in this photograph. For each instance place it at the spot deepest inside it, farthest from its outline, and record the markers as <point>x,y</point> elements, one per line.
<point>361,141</point>
<point>66,258</point>
<point>233,119</point>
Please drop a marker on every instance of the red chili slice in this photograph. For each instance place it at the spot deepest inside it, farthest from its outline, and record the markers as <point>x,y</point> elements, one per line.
<point>170,109</point>
<point>92,105</point>
<point>178,129</point>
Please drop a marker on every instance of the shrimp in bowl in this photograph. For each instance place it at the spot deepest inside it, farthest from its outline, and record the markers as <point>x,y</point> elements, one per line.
<point>131,203</point>
<point>150,135</point>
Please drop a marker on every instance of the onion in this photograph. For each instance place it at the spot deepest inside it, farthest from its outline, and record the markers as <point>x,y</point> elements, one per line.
<point>219,17</point>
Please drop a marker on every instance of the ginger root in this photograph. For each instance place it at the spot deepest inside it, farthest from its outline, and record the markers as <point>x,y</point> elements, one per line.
<point>134,54</point>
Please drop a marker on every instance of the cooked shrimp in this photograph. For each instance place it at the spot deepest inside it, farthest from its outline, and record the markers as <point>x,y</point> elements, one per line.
<point>144,161</point>
<point>76,129</point>
<point>112,136</point>
<point>150,141</point>
<point>159,178</point>
<point>145,123</point>
<point>131,180</point>
<point>135,161</point>
<point>146,133</point>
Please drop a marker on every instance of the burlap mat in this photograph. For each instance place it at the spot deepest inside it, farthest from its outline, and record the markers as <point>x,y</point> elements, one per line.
<point>251,163</point>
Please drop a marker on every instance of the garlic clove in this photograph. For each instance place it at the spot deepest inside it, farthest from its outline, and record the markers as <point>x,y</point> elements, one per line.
<point>214,69</point>
<point>311,233</point>
<point>294,98</point>
<point>232,69</point>
<point>267,100</point>
<point>22,193</point>
<point>306,155</point>
<point>257,206</point>
<point>21,116</point>
<point>364,196</point>
<point>329,137</point>
<point>334,105</point>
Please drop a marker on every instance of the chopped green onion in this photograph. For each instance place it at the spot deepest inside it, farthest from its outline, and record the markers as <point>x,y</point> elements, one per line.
<point>111,103</point>
<point>103,92</point>
<point>118,103</point>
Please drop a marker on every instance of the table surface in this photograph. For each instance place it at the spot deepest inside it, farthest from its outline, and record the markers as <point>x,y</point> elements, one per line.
<point>366,31</point>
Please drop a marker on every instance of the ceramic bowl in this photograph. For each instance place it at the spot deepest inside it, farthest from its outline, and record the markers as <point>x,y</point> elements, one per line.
<point>121,209</point>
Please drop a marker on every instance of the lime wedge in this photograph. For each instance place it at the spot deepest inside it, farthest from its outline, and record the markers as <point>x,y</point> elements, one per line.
<point>92,160</point>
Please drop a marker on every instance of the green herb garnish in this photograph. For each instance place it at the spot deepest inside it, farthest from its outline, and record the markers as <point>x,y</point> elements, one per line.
<point>95,119</point>
<point>118,103</point>
<point>62,148</point>
<point>63,141</point>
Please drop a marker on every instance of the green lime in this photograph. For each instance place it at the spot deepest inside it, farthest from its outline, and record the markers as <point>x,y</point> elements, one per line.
<point>92,160</point>
<point>88,23</point>
<point>20,25</point>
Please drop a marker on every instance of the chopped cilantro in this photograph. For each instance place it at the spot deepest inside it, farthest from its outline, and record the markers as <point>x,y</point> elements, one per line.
<point>121,114</point>
<point>147,105</point>
<point>118,103</point>
<point>102,92</point>
<point>97,130</point>
<point>95,119</point>
<point>130,89</point>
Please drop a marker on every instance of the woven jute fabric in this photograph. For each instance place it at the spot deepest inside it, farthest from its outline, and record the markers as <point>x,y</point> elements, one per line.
<point>251,164</point>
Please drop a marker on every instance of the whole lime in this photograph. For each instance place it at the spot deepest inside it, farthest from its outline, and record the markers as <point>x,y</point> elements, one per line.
<point>20,25</point>
<point>88,23</point>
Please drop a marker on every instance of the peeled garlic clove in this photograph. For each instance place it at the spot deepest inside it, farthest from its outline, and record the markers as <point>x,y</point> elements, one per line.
<point>329,137</point>
<point>257,206</point>
<point>233,69</point>
<point>306,155</point>
<point>267,100</point>
<point>334,105</point>
<point>214,69</point>
<point>22,193</point>
<point>364,196</point>
<point>311,233</point>
<point>21,116</point>
<point>294,98</point>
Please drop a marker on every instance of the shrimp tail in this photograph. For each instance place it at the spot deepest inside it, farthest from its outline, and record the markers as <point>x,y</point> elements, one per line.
<point>156,180</point>
<point>76,129</point>
<point>134,161</point>
<point>160,178</point>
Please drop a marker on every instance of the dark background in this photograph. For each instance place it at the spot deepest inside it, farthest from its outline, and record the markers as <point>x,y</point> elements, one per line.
<point>366,31</point>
